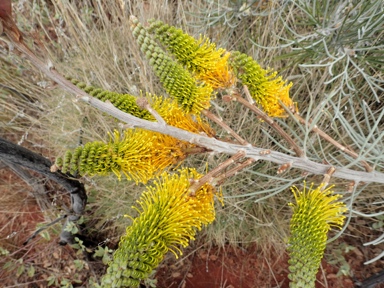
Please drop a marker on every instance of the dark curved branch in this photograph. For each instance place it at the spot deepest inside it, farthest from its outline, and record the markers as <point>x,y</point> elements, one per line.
<point>21,156</point>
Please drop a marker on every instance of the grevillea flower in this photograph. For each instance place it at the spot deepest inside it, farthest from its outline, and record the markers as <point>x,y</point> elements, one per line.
<point>314,214</point>
<point>139,155</point>
<point>168,218</point>
<point>177,117</point>
<point>265,88</point>
<point>178,82</point>
<point>199,56</point>
<point>167,108</point>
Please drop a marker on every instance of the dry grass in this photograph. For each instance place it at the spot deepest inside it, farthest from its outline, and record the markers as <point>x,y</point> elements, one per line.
<point>93,43</point>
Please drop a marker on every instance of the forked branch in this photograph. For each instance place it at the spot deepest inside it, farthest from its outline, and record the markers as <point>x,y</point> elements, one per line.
<point>231,149</point>
<point>223,125</point>
<point>210,177</point>
<point>199,140</point>
<point>328,138</point>
<point>299,152</point>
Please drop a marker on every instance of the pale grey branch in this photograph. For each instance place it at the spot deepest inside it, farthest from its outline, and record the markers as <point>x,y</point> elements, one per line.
<point>231,149</point>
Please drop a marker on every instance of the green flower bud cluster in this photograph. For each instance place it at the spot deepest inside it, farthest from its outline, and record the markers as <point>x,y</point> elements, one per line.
<point>136,257</point>
<point>177,81</point>
<point>167,108</point>
<point>265,88</point>
<point>86,160</point>
<point>184,47</point>
<point>124,102</point>
<point>200,57</point>
<point>139,155</point>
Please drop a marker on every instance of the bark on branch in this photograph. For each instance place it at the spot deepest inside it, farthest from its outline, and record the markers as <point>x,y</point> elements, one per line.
<point>21,156</point>
<point>228,148</point>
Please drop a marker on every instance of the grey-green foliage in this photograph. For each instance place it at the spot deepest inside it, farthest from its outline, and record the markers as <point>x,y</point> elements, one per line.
<point>233,13</point>
<point>344,37</point>
<point>342,41</point>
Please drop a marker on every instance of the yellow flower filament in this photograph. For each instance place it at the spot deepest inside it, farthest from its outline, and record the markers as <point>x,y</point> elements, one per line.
<point>168,218</point>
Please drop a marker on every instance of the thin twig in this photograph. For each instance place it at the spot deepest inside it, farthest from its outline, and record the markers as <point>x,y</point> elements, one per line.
<point>143,103</point>
<point>269,121</point>
<point>220,179</point>
<point>328,138</point>
<point>327,177</point>
<point>209,177</point>
<point>46,68</point>
<point>223,125</point>
<point>37,232</point>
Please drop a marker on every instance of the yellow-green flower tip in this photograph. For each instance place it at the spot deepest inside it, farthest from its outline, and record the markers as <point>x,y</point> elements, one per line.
<point>199,56</point>
<point>174,115</point>
<point>315,212</point>
<point>169,217</point>
<point>269,91</point>
<point>192,95</point>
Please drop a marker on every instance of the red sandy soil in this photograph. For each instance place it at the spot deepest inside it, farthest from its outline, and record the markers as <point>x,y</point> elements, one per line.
<point>231,267</point>
<point>19,214</point>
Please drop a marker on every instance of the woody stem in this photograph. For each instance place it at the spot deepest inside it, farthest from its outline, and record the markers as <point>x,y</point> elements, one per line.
<point>209,177</point>
<point>269,121</point>
<point>220,122</point>
<point>328,138</point>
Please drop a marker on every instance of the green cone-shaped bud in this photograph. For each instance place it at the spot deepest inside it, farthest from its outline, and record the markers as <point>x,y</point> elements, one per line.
<point>314,213</point>
<point>124,102</point>
<point>199,56</point>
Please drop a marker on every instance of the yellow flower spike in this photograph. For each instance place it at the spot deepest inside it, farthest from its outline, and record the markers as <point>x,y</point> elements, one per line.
<point>139,154</point>
<point>169,218</point>
<point>174,115</point>
<point>199,56</point>
<point>265,88</point>
<point>314,214</point>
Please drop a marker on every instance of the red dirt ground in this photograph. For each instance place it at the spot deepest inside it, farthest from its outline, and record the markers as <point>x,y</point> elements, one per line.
<point>19,214</point>
<point>239,268</point>
<point>231,267</point>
